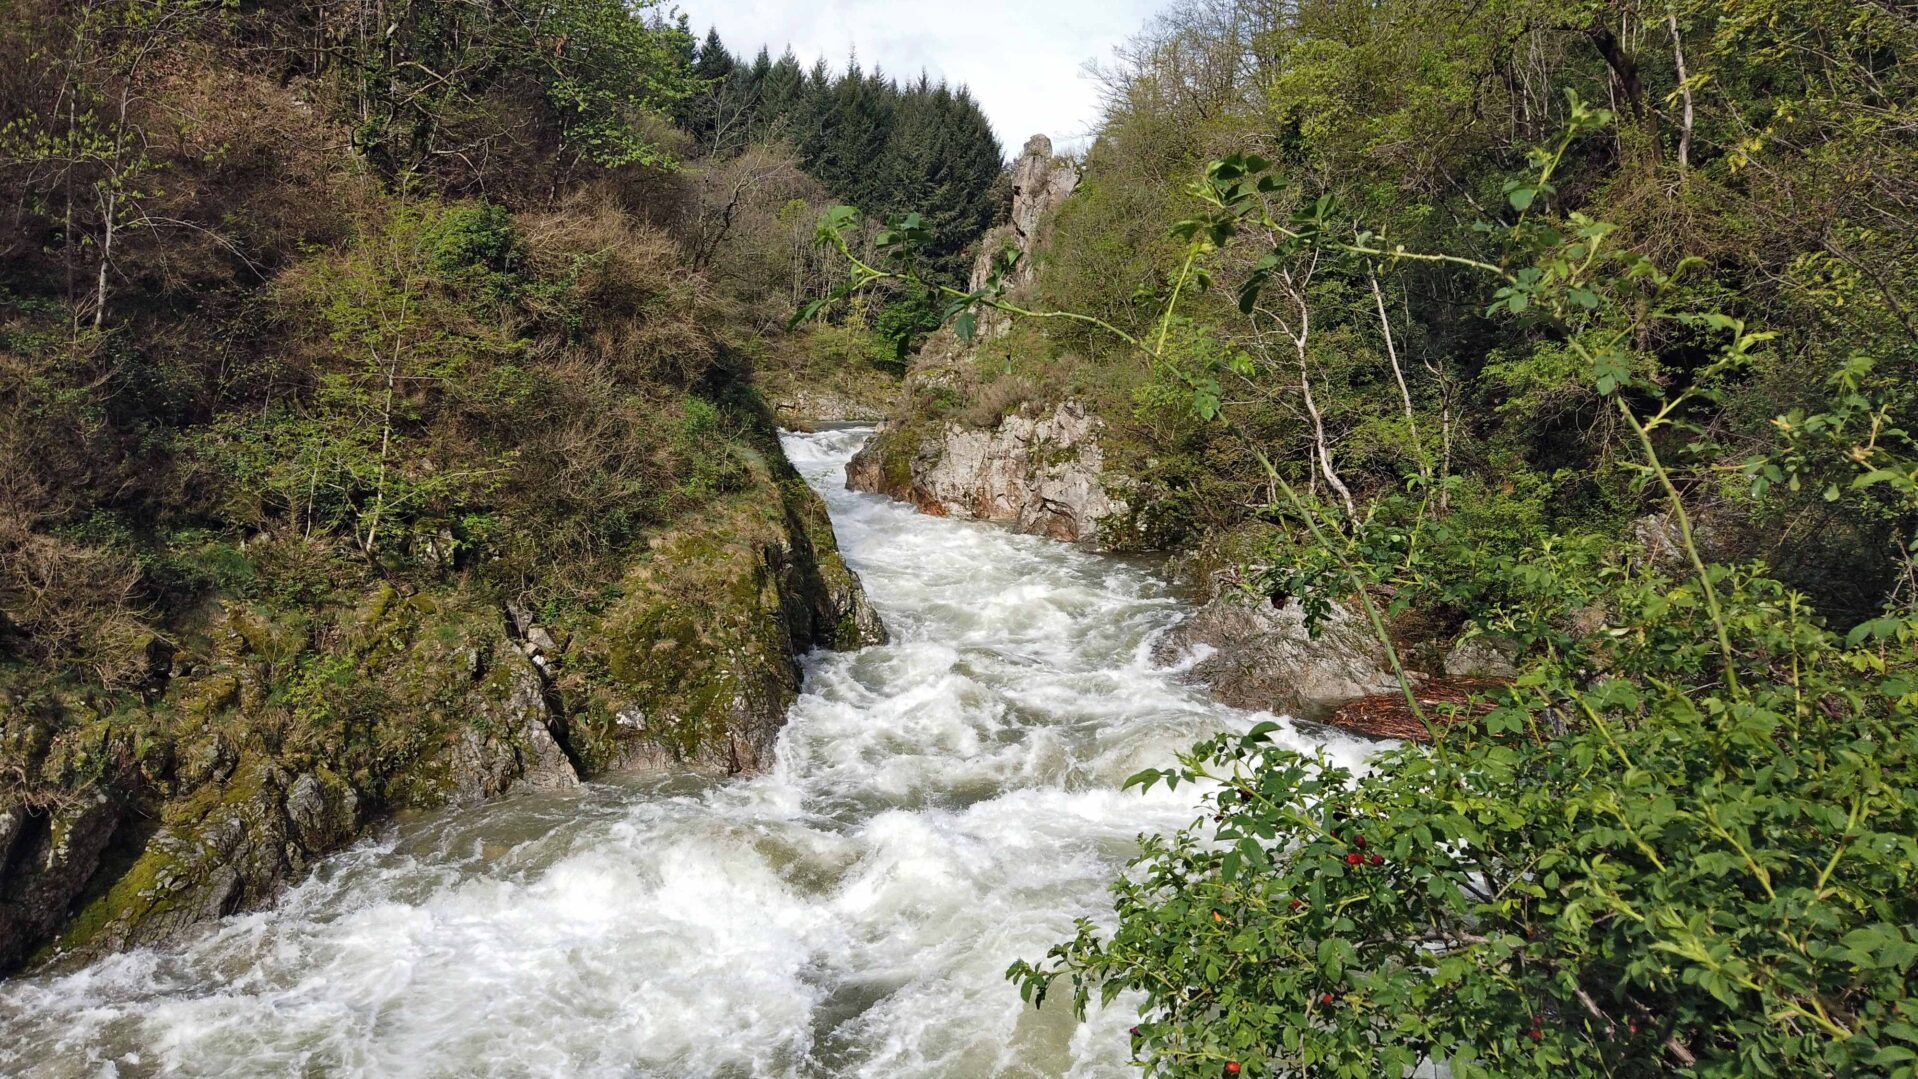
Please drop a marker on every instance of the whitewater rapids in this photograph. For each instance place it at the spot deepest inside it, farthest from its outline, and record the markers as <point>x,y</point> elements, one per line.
<point>940,806</point>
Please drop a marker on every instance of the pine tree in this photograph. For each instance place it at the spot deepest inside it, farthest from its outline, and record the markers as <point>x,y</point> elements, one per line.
<point>891,149</point>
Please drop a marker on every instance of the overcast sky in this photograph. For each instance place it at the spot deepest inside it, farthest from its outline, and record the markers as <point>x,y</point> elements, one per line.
<point>1022,58</point>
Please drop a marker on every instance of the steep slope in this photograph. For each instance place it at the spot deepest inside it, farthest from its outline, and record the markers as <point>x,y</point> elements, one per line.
<point>371,443</point>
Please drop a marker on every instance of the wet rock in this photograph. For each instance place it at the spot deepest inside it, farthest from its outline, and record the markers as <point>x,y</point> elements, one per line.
<point>1041,472</point>
<point>324,813</point>
<point>47,856</point>
<point>1255,655</point>
<point>512,743</point>
<point>422,699</point>
<point>703,649</point>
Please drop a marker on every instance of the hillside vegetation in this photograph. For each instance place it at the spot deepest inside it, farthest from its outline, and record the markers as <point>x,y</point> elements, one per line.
<point>1581,330</point>
<point>379,428</point>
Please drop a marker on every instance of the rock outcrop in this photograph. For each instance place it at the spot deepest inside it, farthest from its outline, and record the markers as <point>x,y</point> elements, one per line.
<point>1253,654</point>
<point>1041,182</point>
<point>49,853</point>
<point>1039,468</point>
<point>284,733</point>
<point>701,654</point>
<point>1041,472</point>
<point>802,409</point>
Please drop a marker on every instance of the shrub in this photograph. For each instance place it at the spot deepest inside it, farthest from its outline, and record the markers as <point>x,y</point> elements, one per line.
<point>1683,839</point>
<point>1631,873</point>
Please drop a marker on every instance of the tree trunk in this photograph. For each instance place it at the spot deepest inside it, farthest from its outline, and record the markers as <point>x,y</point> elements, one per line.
<point>1398,373</point>
<point>1684,91</point>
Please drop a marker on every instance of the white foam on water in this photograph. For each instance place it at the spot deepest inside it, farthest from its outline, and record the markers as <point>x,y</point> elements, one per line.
<point>939,807</point>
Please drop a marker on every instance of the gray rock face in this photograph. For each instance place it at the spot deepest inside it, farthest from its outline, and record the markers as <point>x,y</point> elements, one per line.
<point>1041,182</point>
<point>231,847</point>
<point>48,855</point>
<point>1042,473</point>
<point>802,409</point>
<point>528,755</point>
<point>1481,657</point>
<point>1254,655</point>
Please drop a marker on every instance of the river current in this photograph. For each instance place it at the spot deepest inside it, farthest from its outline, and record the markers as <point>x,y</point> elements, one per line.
<point>939,807</point>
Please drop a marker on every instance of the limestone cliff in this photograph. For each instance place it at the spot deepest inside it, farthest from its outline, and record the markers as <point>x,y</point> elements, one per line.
<point>1041,183</point>
<point>1041,467</point>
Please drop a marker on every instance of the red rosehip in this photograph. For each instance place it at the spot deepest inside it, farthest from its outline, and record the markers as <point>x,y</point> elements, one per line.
<point>1354,858</point>
<point>1378,859</point>
<point>1358,841</point>
<point>1325,998</point>
<point>1231,1067</point>
<point>1297,903</point>
<point>1538,1034</point>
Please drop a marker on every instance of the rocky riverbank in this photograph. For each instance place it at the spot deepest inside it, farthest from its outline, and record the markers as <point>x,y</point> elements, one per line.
<point>277,735</point>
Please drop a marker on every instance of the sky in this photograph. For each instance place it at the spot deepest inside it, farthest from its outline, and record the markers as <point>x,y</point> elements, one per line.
<point>1023,59</point>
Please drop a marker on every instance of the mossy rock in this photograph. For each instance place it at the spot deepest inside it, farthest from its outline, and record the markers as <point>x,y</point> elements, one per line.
<point>697,661</point>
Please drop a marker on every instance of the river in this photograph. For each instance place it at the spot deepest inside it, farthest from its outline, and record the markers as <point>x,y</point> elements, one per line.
<point>940,806</point>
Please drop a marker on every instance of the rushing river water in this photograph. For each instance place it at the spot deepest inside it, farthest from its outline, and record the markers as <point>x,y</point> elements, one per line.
<point>940,806</point>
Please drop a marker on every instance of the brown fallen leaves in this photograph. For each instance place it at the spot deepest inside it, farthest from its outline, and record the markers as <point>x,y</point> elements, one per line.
<point>1445,701</point>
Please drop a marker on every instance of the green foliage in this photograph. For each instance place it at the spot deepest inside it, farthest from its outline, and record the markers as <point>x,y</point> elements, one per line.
<point>894,149</point>
<point>601,68</point>
<point>1682,839</point>
<point>1680,881</point>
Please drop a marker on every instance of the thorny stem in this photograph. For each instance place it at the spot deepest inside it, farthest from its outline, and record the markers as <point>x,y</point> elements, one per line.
<point>1689,540</point>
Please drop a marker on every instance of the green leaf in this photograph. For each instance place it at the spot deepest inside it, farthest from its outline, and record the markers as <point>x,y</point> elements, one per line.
<point>804,314</point>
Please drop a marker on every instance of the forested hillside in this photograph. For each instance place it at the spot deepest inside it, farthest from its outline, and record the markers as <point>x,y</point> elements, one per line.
<point>378,424</point>
<point>1539,376</point>
<point>891,148</point>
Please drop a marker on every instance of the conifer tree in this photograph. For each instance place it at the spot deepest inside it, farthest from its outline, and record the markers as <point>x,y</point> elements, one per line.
<point>890,148</point>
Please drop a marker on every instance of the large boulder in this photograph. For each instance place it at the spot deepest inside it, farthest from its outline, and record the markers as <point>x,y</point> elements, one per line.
<point>697,662</point>
<point>1041,472</point>
<point>1256,654</point>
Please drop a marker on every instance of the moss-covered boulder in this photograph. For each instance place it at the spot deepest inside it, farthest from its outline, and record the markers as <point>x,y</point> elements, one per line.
<point>698,659</point>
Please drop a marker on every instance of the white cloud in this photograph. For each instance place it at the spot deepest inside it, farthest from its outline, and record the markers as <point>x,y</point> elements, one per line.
<point>1023,59</point>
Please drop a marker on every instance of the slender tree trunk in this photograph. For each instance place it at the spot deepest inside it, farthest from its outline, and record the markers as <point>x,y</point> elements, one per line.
<point>106,256</point>
<point>1684,91</point>
<point>1622,65</point>
<point>386,415</point>
<point>1398,373</point>
<point>1300,341</point>
<point>379,486</point>
<point>1318,439</point>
